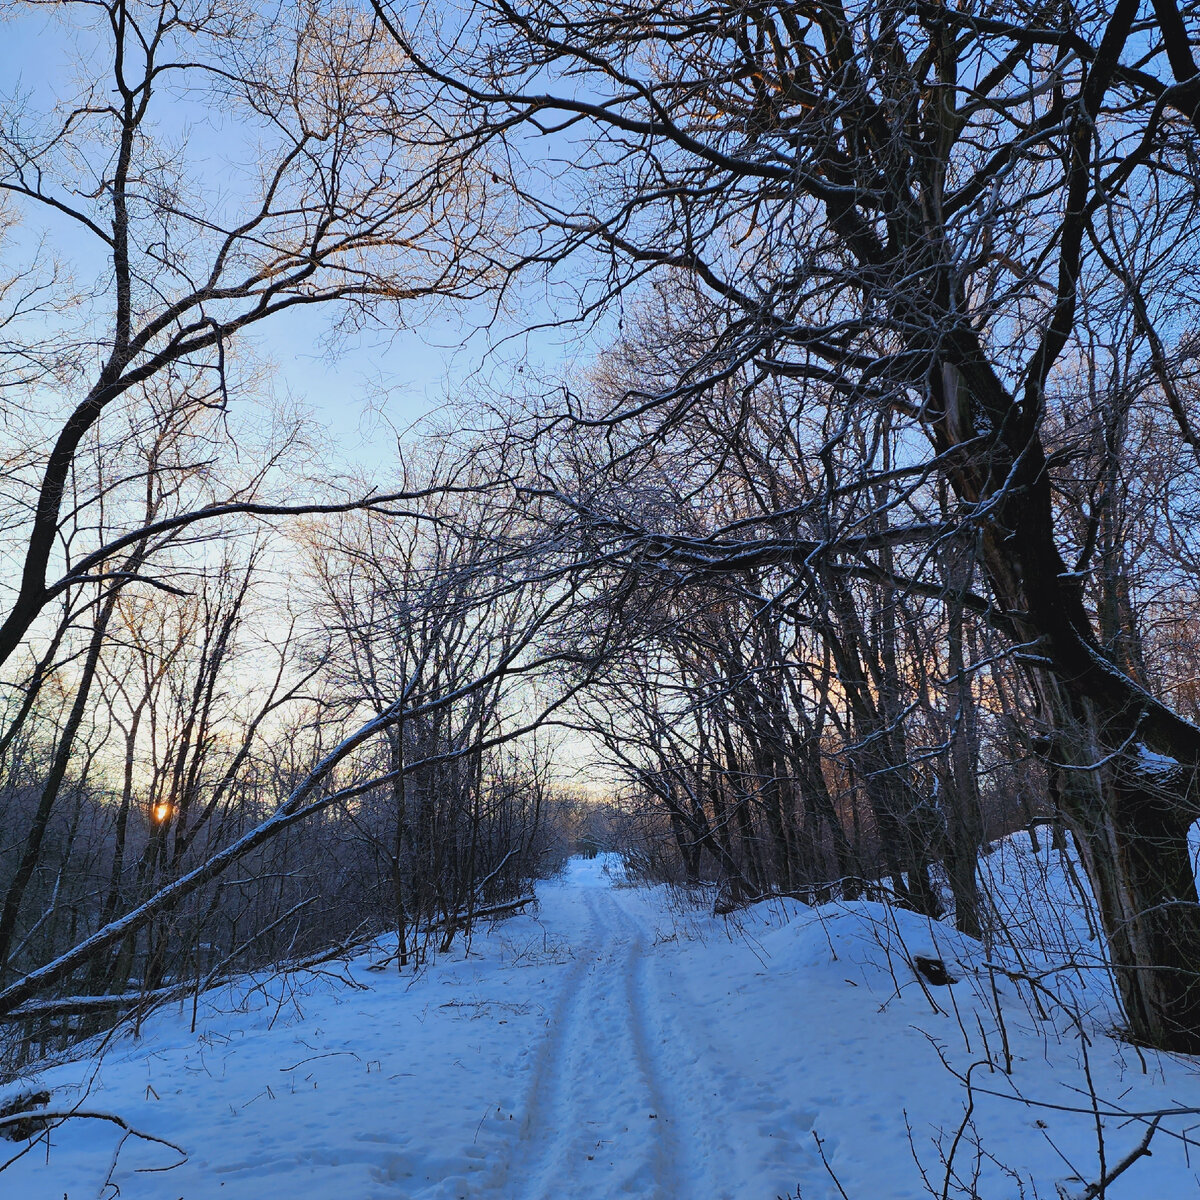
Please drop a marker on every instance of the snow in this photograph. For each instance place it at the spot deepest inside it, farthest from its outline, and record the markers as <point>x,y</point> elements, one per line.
<point>620,1043</point>
<point>1153,763</point>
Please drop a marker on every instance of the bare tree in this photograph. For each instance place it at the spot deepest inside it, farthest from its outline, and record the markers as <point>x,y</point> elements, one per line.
<point>417,611</point>
<point>213,166</point>
<point>947,219</point>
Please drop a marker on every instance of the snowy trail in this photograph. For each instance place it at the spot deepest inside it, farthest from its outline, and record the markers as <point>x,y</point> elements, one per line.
<point>610,1046</point>
<point>595,1117</point>
<point>627,1096</point>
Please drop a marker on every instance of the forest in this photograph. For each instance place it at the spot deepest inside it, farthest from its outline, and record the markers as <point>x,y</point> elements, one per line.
<point>818,507</point>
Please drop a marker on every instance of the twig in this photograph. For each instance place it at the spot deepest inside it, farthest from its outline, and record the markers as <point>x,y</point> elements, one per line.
<point>44,1116</point>
<point>837,1183</point>
<point>1141,1150</point>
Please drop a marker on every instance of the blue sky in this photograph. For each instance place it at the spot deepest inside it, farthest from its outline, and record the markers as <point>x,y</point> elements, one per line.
<point>347,381</point>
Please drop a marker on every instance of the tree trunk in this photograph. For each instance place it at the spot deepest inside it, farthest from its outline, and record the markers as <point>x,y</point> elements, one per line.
<point>1130,824</point>
<point>963,816</point>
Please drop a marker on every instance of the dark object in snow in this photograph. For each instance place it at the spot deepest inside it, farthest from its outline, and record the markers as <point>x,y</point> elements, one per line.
<point>934,970</point>
<point>23,1102</point>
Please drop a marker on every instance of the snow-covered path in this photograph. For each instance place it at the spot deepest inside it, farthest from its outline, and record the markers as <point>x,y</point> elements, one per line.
<point>622,1097</point>
<point>598,1085</point>
<point>610,1046</point>
<point>562,1056</point>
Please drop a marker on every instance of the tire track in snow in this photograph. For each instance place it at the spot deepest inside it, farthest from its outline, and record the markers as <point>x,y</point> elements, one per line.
<point>698,1095</point>
<point>547,1080</point>
<point>595,1125</point>
<point>530,1157</point>
<point>594,1138</point>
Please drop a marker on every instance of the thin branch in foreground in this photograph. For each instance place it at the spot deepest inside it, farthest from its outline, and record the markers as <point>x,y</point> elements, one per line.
<point>44,1117</point>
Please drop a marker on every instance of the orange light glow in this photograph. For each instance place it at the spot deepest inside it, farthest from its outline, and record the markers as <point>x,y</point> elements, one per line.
<point>160,812</point>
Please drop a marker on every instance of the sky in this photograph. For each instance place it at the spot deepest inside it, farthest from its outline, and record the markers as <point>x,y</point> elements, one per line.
<point>363,388</point>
